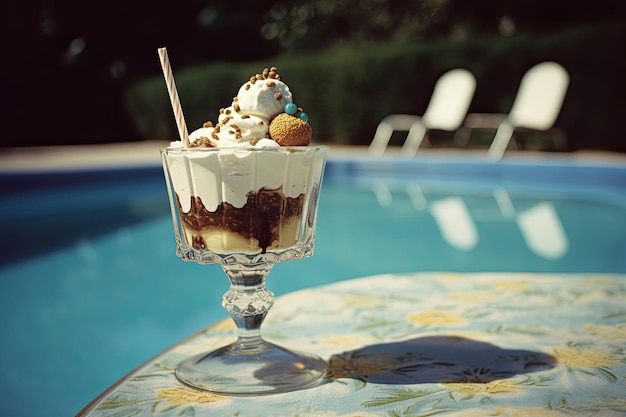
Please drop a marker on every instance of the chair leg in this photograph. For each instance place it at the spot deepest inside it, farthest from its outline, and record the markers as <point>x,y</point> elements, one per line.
<point>414,139</point>
<point>385,129</point>
<point>501,141</point>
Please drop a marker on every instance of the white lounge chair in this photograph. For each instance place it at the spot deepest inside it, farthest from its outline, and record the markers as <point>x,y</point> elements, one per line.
<point>536,106</point>
<point>446,110</point>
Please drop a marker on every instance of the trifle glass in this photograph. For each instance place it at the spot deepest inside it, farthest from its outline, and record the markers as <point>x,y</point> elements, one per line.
<point>246,209</point>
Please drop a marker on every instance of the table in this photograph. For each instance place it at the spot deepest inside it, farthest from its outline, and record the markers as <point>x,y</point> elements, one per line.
<point>422,344</point>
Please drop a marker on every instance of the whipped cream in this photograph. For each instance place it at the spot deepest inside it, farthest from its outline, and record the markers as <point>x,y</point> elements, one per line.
<point>219,175</point>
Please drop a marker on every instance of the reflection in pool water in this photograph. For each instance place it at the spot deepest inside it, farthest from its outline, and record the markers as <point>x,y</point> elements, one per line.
<point>539,225</point>
<point>90,286</point>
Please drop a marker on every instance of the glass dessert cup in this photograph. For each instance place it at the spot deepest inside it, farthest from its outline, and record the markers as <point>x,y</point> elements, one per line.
<point>246,209</point>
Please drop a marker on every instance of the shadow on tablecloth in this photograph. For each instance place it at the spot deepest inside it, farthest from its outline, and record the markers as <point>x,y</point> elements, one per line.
<point>436,359</point>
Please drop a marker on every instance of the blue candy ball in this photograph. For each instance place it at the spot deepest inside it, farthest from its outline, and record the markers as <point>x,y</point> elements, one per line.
<point>291,108</point>
<point>303,116</point>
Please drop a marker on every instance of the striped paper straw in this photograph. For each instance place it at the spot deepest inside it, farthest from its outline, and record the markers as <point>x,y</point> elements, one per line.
<point>171,88</point>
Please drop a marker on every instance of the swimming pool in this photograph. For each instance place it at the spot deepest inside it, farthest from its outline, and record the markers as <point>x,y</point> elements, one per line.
<point>93,289</point>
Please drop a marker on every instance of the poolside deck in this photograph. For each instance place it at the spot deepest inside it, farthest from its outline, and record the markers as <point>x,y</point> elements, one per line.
<point>28,159</point>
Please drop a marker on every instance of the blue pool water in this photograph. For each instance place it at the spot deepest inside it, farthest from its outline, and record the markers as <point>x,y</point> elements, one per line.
<point>90,286</point>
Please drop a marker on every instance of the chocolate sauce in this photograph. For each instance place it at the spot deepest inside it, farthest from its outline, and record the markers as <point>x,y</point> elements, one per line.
<point>259,218</point>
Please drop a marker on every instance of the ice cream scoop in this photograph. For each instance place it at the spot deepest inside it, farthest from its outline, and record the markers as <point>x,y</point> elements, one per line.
<point>247,121</point>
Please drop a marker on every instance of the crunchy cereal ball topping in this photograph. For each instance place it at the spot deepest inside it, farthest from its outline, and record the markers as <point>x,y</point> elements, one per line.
<point>288,130</point>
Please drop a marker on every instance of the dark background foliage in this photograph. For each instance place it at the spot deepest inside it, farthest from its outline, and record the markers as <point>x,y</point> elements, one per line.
<point>69,64</point>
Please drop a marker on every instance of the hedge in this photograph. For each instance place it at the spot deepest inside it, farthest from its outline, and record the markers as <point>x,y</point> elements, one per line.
<point>347,92</point>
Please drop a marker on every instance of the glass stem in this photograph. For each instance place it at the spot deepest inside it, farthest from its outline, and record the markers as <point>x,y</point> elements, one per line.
<point>248,301</point>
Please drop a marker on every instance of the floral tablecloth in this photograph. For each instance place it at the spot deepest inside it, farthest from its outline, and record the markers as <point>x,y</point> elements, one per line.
<point>422,344</point>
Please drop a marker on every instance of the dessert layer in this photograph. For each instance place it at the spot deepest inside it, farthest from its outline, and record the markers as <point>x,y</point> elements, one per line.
<point>222,240</point>
<point>267,220</point>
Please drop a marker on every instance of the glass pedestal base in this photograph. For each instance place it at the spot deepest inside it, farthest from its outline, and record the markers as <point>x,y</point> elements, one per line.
<point>265,369</point>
